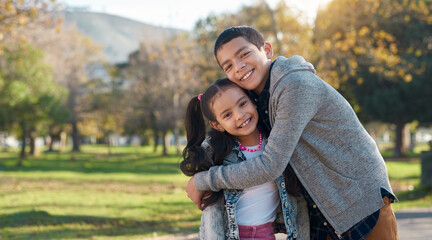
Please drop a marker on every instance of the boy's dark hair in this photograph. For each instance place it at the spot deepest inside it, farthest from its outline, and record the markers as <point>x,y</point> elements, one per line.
<point>250,34</point>
<point>195,158</point>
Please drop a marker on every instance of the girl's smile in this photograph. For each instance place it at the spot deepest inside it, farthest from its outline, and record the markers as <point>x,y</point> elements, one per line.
<point>236,114</point>
<point>245,123</point>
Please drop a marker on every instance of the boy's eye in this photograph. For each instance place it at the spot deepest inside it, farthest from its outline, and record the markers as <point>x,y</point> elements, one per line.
<point>243,103</point>
<point>227,115</point>
<point>245,53</point>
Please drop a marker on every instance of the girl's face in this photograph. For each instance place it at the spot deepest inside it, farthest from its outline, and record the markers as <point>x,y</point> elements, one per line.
<point>235,113</point>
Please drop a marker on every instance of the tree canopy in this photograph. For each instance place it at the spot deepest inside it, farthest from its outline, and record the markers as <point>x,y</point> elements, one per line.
<point>378,54</point>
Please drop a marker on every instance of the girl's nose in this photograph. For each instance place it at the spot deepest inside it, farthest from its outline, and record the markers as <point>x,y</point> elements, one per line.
<point>239,115</point>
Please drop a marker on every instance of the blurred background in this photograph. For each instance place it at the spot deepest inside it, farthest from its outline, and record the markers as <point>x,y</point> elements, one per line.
<point>92,100</point>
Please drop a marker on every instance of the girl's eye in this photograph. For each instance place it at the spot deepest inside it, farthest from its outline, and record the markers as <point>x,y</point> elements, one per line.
<point>243,103</point>
<point>227,115</point>
<point>227,68</point>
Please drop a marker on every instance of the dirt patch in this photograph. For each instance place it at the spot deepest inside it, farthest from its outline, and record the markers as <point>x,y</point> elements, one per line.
<point>22,184</point>
<point>186,236</point>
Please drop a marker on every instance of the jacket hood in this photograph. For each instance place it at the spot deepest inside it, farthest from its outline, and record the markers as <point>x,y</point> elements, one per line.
<point>283,66</point>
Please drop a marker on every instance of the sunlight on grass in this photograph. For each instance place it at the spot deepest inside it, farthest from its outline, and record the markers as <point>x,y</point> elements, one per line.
<point>131,193</point>
<point>405,181</point>
<point>403,170</point>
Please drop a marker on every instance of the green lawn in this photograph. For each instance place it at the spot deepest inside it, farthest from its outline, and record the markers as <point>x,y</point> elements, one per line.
<point>405,180</point>
<point>130,194</point>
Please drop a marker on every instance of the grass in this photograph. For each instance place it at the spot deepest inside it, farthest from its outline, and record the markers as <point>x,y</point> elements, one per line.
<point>405,181</point>
<point>404,174</point>
<point>387,150</point>
<point>132,193</point>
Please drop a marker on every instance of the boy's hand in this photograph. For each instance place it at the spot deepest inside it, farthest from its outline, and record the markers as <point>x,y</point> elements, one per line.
<point>194,194</point>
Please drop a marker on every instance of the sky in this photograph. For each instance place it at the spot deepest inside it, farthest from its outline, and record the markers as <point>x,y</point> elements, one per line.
<point>181,14</point>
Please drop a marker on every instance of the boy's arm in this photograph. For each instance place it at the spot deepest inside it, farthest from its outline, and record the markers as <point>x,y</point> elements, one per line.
<point>297,101</point>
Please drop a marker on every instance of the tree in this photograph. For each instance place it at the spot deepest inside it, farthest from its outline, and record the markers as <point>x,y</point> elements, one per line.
<point>280,26</point>
<point>15,15</point>
<point>107,101</point>
<point>377,53</point>
<point>54,125</point>
<point>72,57</point>
<point>27,89</point>
<point>161,76</point>
<point>17,20</point>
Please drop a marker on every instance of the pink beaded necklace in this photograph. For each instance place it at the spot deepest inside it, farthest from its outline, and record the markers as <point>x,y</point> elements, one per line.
<point>243,148</point>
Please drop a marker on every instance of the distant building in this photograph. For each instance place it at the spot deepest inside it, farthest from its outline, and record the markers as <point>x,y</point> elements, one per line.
<point>423,134</point>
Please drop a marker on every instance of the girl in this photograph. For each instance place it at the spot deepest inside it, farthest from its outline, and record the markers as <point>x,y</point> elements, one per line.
<point>253,213</point>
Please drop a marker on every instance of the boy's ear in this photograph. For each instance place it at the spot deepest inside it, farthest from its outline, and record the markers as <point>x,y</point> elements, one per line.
<point>216,126</point>
<point>268,49</point>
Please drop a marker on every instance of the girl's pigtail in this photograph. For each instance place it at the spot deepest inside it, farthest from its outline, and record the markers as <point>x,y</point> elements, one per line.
<point>195,158</point>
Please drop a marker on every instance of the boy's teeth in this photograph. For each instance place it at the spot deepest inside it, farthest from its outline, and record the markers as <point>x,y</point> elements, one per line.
<point>247,75</point>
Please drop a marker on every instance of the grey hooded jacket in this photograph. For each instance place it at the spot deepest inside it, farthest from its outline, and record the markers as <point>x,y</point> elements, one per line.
<point>316,131</point>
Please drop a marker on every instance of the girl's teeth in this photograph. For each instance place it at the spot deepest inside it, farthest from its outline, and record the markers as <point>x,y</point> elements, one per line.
<point>245,123</point>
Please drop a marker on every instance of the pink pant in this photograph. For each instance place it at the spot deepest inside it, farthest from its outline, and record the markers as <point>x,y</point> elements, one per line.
<point>259,232</point>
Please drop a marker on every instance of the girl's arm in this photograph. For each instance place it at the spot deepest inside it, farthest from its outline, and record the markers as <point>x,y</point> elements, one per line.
<point>214,221</point>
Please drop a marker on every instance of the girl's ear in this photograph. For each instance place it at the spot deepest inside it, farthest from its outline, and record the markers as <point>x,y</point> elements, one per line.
<point>216,126</point>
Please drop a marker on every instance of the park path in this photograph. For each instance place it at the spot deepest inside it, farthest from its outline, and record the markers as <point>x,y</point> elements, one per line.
<point>413,224</point>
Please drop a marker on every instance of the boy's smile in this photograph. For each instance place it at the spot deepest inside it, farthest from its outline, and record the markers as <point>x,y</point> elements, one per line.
<point>245,64</point>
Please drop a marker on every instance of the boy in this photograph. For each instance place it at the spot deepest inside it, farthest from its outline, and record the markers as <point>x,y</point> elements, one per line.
<point>312,132</point>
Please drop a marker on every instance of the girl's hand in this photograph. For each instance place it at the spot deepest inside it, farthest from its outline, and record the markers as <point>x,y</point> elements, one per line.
<point>194,194</point>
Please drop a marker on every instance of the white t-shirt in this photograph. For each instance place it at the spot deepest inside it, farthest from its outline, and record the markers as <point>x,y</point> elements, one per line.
<point>257,205</point>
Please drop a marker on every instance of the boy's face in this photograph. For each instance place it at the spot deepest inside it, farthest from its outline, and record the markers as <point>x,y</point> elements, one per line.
<point>245,64</point>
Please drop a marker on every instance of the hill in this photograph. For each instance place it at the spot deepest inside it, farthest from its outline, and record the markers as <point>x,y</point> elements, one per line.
<point>119,35</point>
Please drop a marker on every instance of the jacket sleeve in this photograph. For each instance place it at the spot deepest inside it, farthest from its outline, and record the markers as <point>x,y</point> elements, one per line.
<point>214,222</point>
<point>295,102</point>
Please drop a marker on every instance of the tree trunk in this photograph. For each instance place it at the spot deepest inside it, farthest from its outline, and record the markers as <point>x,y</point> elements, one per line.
<point>400,139</point>
<point>412,141</point>
<point>51,138</point>
<point>406,138</point>
<point>156,140</point>
<point>5,146</point>
<point>48,141</point>
<point>23,145</point>
<point>32,143</point>
<point>63,136</point>
<point>109,145</point>
<point>75,137</point>
<point>72,105</point>
<point>177,140</point>
<point>165,144</point>
<point>5,133</point>
<point>51,143</point>
<point>176,131</point>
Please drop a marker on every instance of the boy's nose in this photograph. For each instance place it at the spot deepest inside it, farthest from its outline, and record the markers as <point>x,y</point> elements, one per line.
<point>240,65</point>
